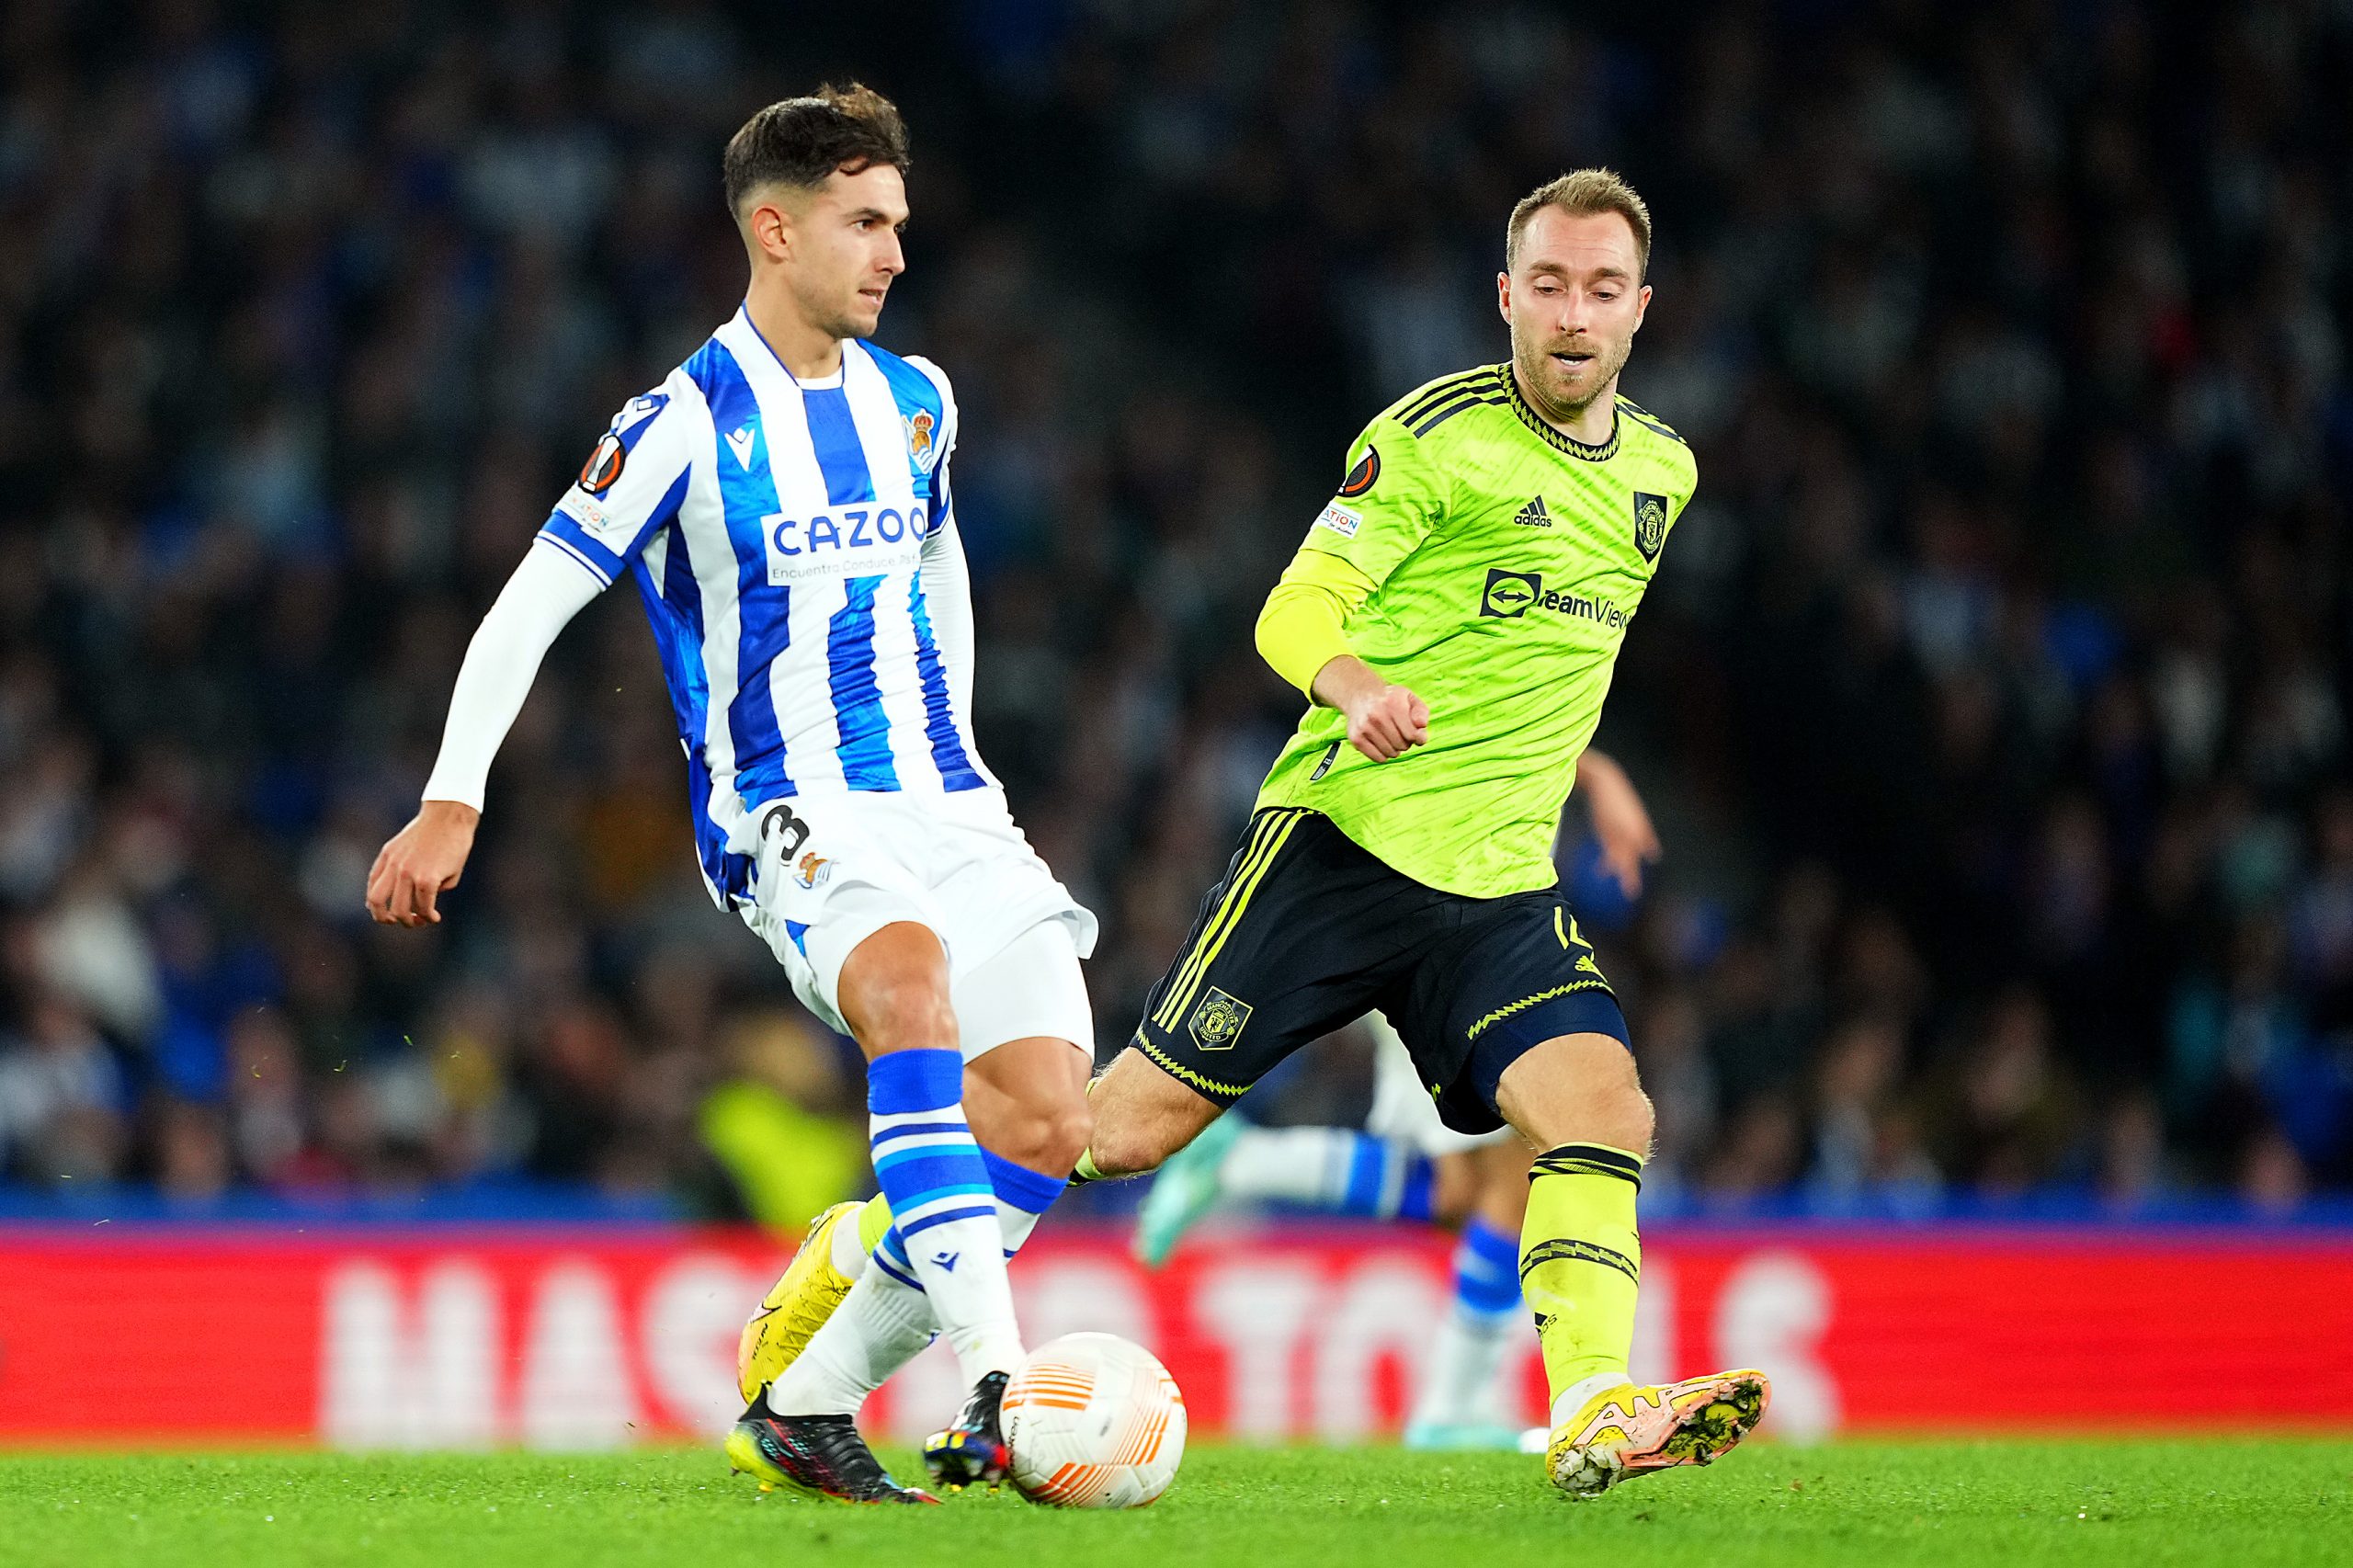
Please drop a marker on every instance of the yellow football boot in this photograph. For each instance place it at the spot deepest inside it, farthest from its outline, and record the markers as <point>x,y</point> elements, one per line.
<point>1638,1427</point>
<point>795,1307</point>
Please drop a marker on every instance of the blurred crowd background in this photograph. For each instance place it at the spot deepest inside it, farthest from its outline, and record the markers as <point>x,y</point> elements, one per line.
<point>1991,699</point>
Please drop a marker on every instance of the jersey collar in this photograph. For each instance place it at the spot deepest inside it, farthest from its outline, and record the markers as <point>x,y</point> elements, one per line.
<point>1560,442</point>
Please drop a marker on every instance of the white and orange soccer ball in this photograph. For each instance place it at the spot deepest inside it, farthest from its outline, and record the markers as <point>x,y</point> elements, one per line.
<point>1092,1422</point>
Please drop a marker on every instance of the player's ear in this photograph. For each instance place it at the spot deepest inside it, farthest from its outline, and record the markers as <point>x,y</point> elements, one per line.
<point>769,227</point>
<point>1642,305</point>
<point>1502,295</point>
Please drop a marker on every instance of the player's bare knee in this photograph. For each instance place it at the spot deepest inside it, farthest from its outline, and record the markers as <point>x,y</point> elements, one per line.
<point>1619,1115</point>
<point>1577,1089</point>
<point>905,1014</point>
<point>1641,1121</point>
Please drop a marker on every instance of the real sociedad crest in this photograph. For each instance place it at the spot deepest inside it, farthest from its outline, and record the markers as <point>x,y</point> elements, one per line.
<point>919,427</point>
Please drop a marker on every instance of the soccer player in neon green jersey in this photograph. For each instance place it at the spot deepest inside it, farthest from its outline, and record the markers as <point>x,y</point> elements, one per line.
<point>1453,618</point>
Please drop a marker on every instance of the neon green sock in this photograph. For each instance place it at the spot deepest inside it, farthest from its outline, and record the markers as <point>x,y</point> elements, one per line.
<point>873,1222</point>
<point>1580,1261</point>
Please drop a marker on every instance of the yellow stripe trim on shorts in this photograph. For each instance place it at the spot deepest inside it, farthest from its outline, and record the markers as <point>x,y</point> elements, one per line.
<point>1234,915</point>
<point>1182,978</point>
<point>1229,915</point>
<point>1526,1002</point>
<point>1251,844</point>
<point>1176,1069</point>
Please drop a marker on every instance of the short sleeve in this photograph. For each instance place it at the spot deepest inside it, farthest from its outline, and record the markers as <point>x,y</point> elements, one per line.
<point>633,484</point>
<point>945,395</point>
<point>928,404</point>
<point>1390,499</point>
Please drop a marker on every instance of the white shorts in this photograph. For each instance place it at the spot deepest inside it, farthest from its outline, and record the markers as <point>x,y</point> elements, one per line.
<point>830,870</point>
<point>1403,1109</point>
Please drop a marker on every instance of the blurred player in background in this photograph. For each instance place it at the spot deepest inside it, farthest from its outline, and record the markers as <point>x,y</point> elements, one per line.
<point>782,502</point>
<point>1406,1164</point>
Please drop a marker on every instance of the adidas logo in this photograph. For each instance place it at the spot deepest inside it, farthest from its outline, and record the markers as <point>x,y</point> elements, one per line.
<point>1533,514</point>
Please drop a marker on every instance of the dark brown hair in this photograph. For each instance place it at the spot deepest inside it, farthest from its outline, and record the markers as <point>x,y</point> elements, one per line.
<point>1586,193</point>
<point>800,141</point>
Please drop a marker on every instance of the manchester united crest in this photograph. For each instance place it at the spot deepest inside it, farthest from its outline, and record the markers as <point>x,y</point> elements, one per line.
<point>1650,523</point>
<point>1218,1021</point>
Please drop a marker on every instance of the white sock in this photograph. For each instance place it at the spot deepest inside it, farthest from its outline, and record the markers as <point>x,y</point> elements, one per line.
<point>1014,1225</point>
<point>849,1258</point>
<point>1459,1388</point>
<point>1297,1165</point>
<point>960,1265</point>
<point>879,1327</point>
<point>1573,1398</point>
<point>944,1235</point>
<point>883,1325</point>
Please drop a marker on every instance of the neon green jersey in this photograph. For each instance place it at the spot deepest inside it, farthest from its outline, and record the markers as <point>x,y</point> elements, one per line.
<point>1508,560</point>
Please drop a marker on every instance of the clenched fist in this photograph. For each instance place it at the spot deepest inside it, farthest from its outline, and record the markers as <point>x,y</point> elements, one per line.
<point>1384,720</point>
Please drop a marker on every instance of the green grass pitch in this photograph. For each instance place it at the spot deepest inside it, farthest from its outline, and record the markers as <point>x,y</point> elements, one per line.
<point>2139,1502</point>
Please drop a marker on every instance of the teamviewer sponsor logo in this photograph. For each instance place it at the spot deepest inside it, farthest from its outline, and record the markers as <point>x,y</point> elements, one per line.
<point>1511,595</point>
<point>1510,592</point>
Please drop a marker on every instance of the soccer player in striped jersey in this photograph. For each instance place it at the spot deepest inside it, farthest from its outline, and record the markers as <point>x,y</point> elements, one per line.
<point>1454,617</point>
<point>781,502</point>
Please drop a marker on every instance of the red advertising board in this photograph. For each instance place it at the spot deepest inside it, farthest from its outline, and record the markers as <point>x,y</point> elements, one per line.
<point>584,1338</point>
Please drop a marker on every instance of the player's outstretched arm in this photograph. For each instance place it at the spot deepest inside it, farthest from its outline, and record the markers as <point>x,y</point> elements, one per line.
<point>426,859</point>
<point>1621,822</point>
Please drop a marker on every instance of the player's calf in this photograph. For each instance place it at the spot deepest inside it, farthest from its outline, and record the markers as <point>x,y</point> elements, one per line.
<point>894,995</point>
<point>1027,1101</point>
<point>1577,1097</point>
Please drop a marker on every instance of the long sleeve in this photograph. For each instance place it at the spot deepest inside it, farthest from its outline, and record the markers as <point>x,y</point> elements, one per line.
<point>547,590</point>
<point>1387,504</point>
<point>1304,623</point>
<point>947,600</point>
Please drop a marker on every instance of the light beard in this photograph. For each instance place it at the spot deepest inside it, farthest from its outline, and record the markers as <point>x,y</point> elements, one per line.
<point>832,320</point>
<point>843,329</point>
<point>1532,383</point>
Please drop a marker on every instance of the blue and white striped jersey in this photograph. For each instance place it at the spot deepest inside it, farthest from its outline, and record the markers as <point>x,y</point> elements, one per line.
<point>796,550</point>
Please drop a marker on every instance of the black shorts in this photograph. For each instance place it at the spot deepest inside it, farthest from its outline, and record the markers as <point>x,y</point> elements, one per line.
<point>1309,932</point>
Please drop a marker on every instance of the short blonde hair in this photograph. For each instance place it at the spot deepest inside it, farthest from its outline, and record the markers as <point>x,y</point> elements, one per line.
<point>1584,193</point>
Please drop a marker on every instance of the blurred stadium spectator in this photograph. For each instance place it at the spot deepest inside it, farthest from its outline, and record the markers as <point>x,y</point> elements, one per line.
<point>1992,697</point>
